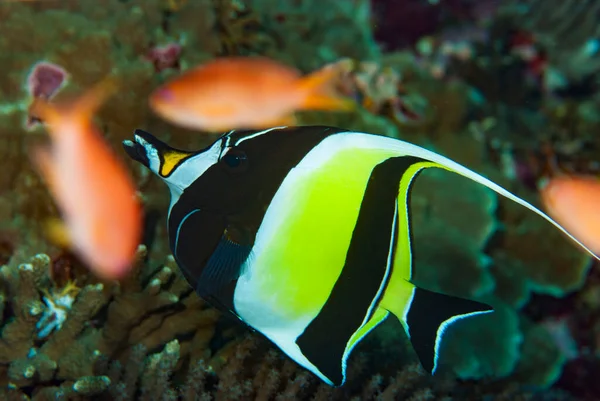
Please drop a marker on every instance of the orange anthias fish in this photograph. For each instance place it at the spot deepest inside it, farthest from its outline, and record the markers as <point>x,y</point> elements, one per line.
<point>245,92</point>
<point>93,190</point>
<point>574,202</point>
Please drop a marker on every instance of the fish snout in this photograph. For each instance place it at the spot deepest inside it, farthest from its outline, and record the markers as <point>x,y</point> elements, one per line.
<point>136,151</point>
<point>146,149</point>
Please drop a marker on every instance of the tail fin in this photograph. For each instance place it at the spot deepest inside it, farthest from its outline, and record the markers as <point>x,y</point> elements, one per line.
<point>79,109</point>
<point>428,316</point>
<point>320,89</point>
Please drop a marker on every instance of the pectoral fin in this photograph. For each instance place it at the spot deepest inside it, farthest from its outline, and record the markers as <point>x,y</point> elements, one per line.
<point>223,267</point>
<point>203,233</point>
<point>197,233</point>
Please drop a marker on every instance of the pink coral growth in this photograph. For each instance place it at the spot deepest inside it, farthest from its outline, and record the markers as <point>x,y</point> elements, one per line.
<point>164,57</point>
<point>43,82</point>
<point>45,79</point>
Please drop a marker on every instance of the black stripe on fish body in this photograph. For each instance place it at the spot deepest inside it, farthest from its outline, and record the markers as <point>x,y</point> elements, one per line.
<point>243,195</point>
<point>223,199</point>
<point>302,138</point>
<point>361,283</point>
<point>429,315</point>
<point>193,236</point>
<point>411,240</point>
<point>212,278</point>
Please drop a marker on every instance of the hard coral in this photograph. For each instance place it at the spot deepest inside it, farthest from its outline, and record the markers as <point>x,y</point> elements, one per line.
<point>536,76</point>
<point>164,57</point>
<point>151,338</point>
<point>327,34</point>
<point>240,29</point>
<point>252,371</point>
<point>566,32</point>
<point>151,308</point>
<point>113,42</point>
<point>581,312</point>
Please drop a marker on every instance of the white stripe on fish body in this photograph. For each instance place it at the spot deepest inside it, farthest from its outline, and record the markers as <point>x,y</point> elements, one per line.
<point>256,134</point>
<point>195,166</point>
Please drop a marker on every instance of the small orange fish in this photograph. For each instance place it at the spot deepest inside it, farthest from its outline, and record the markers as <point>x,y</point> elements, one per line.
<point>574,202</point>
<point>91,186</point>
<point>245,92</point>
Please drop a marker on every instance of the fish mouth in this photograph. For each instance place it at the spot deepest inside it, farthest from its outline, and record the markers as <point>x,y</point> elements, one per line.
<point>139,147</point>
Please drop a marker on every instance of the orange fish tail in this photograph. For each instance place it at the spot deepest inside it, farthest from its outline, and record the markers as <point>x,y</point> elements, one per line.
<point>571,201</point>
<point>91,100</point>
<point>82,108</point>
<point>321,93</point>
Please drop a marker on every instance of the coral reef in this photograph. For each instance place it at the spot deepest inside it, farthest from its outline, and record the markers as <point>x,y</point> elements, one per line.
<point>155,341</point>
<point>343,31</point>
<point>494,85</point>
<point>62,334</point>
<point>574,323</point>
<point>540,85</point>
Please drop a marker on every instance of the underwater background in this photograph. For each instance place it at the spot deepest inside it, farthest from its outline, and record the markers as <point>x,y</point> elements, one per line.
<point>510,89</point>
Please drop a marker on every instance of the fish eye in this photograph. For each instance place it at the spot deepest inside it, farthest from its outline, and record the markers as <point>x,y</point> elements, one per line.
<point>235,160</point>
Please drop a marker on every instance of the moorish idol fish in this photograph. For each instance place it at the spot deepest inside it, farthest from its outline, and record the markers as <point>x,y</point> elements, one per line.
<point>303,233</point>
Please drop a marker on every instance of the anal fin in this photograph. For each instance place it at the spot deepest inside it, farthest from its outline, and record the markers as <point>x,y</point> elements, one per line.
<point>427,317</point>
<point>321,92</point>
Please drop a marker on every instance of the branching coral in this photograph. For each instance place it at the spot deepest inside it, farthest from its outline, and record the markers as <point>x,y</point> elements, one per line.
<point>100,320</point>
<point>151,338</point>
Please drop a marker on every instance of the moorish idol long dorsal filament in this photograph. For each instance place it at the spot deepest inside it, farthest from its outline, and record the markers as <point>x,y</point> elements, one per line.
<point>303,233</point>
